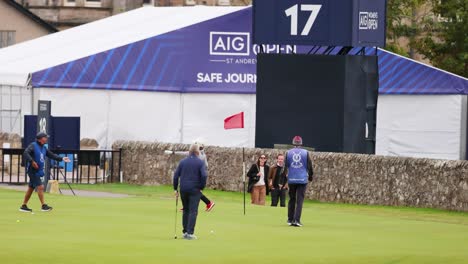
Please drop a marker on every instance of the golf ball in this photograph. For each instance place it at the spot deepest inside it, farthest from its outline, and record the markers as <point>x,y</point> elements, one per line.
<point>32,213</point>
<point>212,231</point>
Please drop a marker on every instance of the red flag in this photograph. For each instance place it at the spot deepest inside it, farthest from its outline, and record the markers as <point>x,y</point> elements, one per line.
<point>235,121</point>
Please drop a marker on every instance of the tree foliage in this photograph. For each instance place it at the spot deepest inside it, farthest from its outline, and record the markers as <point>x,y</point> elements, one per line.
<point>445,42</point>
<point>436,29</point>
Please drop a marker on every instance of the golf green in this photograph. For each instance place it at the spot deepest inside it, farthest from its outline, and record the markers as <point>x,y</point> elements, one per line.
<point>140,229</point>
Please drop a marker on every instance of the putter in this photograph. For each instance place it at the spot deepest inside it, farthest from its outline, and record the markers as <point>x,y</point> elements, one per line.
<point>175,220</point>
<point>171,152</point>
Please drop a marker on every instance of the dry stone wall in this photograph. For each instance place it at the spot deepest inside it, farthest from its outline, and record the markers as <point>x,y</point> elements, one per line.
<point>344,178</point>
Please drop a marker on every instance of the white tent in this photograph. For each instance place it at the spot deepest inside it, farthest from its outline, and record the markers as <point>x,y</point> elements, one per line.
<point>173,74</point>
<point>108,115</point>
<point>425,126</point>
<point>422,110</point>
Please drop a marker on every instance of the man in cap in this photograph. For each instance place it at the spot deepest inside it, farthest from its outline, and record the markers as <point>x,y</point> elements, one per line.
<point>300,172</point>
<point>34,155</point>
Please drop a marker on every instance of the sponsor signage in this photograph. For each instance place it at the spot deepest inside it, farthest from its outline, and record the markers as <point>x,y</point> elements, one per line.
<point>320,22</point>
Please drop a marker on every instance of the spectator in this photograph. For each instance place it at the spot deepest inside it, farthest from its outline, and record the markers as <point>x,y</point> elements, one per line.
<point>258,181</point>
<point>278,182</point>
<point>202,156</point>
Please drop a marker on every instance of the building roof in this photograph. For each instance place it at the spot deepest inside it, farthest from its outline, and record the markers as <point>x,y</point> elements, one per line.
<point>31,16</point>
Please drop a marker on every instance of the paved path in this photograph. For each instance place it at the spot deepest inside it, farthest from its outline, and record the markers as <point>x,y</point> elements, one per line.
<point>66,191</point>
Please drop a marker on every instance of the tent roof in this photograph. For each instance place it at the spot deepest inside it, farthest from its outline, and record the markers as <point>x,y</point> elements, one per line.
<point>72,57</point>
<point>402,75</point>
<point>18,61</point>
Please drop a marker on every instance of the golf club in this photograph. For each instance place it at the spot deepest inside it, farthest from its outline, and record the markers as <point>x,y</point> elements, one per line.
<point>175,220</point>
<point>176,152</point>
<point>171,152</point>
<point>243,173</point>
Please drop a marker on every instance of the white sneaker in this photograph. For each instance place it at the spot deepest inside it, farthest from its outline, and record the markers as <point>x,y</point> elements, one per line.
<point>298,224</point>
<point>190,237</point>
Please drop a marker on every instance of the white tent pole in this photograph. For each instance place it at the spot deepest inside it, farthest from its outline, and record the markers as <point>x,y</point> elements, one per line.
<point>109,96</point>
<point>181,118</point>
<point>1,108</point>
<point>463,128</point>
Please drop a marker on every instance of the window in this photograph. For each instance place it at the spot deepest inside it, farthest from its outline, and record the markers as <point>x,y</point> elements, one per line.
<point>148,2</point>
<point>7,38</point>
<point>69,2</point>
<point>93,3</point>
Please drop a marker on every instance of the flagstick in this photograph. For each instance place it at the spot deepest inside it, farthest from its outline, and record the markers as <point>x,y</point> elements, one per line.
<point>243,173</point>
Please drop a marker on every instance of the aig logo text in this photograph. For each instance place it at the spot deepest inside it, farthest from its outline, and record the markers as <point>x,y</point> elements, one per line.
<point>230,43</point>
<point>368,20</point>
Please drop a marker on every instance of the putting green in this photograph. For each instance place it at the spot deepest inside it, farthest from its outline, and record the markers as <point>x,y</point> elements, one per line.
<point>140,229</point>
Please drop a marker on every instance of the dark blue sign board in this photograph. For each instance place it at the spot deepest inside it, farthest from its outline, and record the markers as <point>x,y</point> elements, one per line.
<point>64,132</point>
<point>320,22</point>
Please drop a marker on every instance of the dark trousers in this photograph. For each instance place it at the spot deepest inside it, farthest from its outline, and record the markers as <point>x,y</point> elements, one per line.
<point>278,195</point>
<point>296,199</point>
<point>205,199</point>
<point>190,201</point>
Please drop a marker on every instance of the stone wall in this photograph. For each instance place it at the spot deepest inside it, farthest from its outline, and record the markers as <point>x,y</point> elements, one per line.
<point>343,178</point>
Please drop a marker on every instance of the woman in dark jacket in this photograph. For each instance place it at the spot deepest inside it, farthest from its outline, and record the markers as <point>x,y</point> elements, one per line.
<point>258,181</point>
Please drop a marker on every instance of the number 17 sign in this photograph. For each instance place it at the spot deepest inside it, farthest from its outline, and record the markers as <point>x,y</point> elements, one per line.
<point>319,22</point>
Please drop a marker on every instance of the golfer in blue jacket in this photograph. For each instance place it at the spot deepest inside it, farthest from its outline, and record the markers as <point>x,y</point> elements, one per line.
<point>191,173</point>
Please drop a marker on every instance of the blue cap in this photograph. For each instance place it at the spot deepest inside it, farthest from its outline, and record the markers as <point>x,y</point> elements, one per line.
<point>41,135</point>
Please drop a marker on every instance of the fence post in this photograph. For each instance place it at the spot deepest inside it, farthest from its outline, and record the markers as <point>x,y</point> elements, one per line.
<point>3,165</point>
<point>120,165</point>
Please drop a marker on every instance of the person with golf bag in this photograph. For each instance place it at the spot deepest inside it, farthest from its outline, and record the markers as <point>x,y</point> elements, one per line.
<point>34,155</point>
<point>191,173</point>
<point>278,182</point>
<point>300,172</point>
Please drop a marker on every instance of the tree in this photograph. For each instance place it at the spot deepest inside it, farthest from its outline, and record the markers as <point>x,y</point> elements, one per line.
<point>395,26</point>
<point>445,42</point>
<point>435,29</point>
<point>404,20</point>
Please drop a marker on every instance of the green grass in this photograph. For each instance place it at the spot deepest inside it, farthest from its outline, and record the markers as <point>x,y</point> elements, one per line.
<point>139,230</point>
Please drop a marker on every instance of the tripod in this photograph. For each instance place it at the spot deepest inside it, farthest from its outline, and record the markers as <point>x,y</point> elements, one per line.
<point>65,179</point>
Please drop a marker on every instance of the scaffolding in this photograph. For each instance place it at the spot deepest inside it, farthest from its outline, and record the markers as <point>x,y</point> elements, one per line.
<point>15,102</point>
